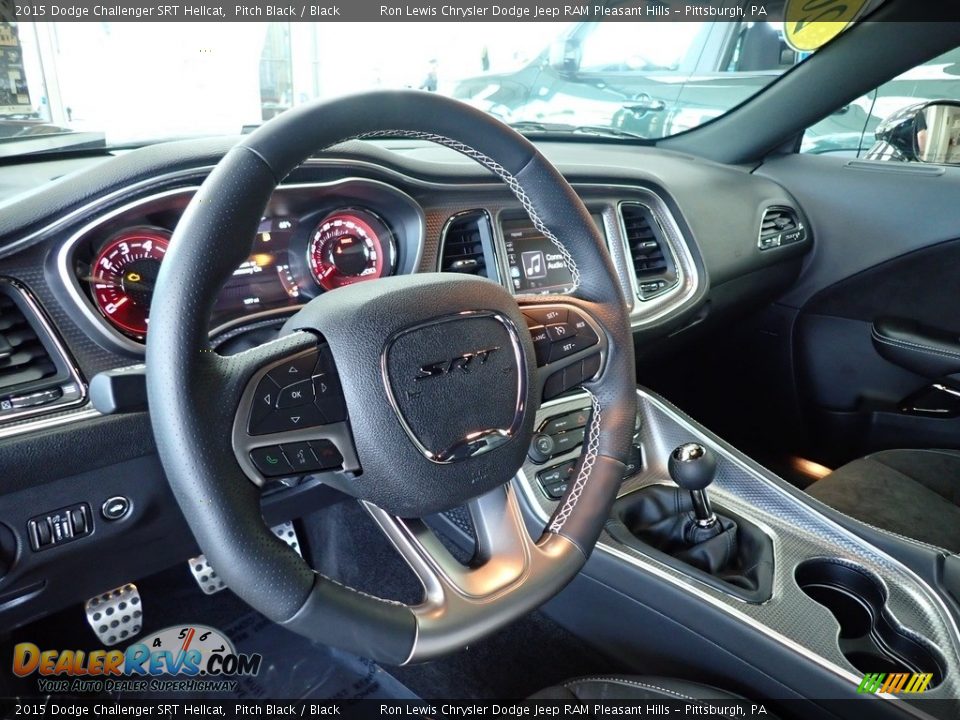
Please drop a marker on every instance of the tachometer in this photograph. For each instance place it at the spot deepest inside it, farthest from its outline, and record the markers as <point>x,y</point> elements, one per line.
<point>350,246</point>
<point>124,274</point>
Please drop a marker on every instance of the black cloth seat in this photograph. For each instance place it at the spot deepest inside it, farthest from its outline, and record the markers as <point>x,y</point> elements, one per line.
<point>629,687</point>
<point>915,493</point>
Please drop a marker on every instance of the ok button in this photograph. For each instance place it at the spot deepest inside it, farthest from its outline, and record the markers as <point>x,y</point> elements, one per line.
<point>299,393</point>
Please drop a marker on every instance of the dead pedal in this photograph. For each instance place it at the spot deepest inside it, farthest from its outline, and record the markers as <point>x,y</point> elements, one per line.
<point>116,615</point>
<point>207,577</point>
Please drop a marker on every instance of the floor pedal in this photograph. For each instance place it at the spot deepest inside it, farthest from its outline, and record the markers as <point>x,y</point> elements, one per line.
<point>116,615</point>
<point>207,577</point>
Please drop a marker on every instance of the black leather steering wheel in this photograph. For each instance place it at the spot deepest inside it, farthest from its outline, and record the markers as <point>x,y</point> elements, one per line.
<point>427,430</point>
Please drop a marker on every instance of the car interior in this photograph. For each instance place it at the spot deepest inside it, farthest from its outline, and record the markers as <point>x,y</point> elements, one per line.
<point>397,390</point>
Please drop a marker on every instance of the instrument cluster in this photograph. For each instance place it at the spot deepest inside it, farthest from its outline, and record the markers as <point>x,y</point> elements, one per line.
<point>311,239</point>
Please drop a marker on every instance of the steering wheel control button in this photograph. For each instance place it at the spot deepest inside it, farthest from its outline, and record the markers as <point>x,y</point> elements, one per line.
<point>583,331</point>
<point>325,385</point>
<point>546,316</point>
<point>542,448</point>
<point>590,367</point>
<point>294,370</point>
<point>541,344</point>
<point>264,401</point>
<point>59,526</point>
<point>560,332</point>
<point>299,393</point>
<point>554,481</point>
<point>570,421</point>
<point>270,461</point>
<point>327,454</point>
<point>115,508</point>
<point>294,418</point>
<point>301,457</point>
<point>566,441</point>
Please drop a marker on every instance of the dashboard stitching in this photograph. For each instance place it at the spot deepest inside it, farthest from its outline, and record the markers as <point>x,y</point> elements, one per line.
<point>515,187</point>
<point>589,459</point>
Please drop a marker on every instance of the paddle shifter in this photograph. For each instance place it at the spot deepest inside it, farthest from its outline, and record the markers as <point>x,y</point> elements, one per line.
<point>692,467</point>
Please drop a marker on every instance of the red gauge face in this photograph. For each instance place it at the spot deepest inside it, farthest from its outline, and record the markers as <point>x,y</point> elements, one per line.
<point>123,277</point>
<point>349,246</point>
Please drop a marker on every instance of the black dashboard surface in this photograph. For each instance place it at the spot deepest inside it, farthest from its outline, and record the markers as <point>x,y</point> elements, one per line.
<point>709,215</point>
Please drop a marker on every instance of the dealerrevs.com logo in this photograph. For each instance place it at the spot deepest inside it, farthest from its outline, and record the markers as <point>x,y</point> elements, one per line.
<point>189,658</point>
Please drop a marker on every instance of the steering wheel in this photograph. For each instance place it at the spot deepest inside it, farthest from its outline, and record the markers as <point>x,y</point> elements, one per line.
<point>441,381</point>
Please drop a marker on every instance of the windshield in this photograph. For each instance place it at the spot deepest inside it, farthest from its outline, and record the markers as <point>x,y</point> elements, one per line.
<point>121,83</point>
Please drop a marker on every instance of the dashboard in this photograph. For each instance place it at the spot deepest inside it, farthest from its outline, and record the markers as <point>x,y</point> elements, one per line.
<point>693,245</point>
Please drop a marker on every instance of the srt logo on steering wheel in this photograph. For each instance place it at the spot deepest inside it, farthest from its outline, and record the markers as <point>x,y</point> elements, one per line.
<point>461,362</point>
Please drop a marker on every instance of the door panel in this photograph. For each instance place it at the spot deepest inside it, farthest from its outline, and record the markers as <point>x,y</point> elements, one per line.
<point>878,304</point>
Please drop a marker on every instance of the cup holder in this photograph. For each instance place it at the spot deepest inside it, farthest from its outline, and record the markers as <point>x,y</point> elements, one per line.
<point>870,639</point>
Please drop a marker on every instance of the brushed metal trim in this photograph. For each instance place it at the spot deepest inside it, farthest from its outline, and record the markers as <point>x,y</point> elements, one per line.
<point>645,312</point>
<point>724,602</point>
<point>763,216</point>
<point>41,317</point>
<point>29,426</point>
<point>462,604</point>
<point>494,249</point>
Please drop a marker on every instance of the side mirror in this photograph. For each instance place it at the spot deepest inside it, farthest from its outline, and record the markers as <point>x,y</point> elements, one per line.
<point>565,55</point>
<point>927,132</point>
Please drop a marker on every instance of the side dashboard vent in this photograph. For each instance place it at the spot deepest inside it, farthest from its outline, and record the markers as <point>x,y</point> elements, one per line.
<point>34,372</point>
<point>467,245</point>
<point>780,226</point>
<point>653,263</point>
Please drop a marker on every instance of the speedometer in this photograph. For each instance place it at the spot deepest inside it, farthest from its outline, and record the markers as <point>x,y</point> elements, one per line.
<point>124,274</point>
<point>350,246</point>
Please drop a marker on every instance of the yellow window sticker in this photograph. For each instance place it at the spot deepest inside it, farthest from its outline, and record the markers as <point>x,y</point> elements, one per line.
<point>810,24</point>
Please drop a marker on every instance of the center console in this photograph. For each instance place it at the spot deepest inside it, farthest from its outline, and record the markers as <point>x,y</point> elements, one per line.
<point>795,585</point>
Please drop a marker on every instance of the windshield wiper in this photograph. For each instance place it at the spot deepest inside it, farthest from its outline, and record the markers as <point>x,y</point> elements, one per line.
<point>534,127</point>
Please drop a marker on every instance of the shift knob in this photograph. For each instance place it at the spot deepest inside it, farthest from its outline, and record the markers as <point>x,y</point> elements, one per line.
<point>692,466</point>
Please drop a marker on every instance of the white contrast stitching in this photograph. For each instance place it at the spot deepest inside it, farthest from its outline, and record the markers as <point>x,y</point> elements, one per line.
<point>903,344</point>
<point>624,681</point>
<point>515,187</point>
<point>589,459</point>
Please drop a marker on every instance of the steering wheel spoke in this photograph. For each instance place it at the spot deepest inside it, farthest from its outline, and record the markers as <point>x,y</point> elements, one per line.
<point>509,569</point>
<point>291,418</point>
<point>570,344</point>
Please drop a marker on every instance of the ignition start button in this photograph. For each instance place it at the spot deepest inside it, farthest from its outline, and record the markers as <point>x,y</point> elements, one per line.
<point>115,508</point>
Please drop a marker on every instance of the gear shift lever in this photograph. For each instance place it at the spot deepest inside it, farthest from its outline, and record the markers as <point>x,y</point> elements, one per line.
<point>693,467</point>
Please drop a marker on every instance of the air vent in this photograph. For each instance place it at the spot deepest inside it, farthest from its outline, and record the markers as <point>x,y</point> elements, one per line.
<point>780,226</point>
<point>34,373</point>
<point>467,245</point>
<point>652,260</point>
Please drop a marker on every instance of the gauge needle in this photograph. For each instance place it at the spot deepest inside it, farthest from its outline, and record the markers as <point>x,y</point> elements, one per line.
<point>121,301</point>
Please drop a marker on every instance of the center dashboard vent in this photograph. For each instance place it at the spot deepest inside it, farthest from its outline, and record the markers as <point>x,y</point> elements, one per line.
<point>34,372</point>
<point>780,226</point>
<point>467,245</point>
<point>653,263</point>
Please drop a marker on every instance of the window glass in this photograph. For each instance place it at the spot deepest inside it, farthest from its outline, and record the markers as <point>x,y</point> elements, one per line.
<point>852,130</point>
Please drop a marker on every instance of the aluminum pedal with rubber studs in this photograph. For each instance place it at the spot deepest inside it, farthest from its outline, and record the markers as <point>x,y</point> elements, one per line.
<point>116,615</point>
<point>207,577</point>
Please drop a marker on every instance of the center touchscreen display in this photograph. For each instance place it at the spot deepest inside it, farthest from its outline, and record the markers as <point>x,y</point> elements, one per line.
<point>536,264</point>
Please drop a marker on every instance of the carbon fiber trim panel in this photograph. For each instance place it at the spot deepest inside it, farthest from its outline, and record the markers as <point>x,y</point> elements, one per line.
<point>799,533</point>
